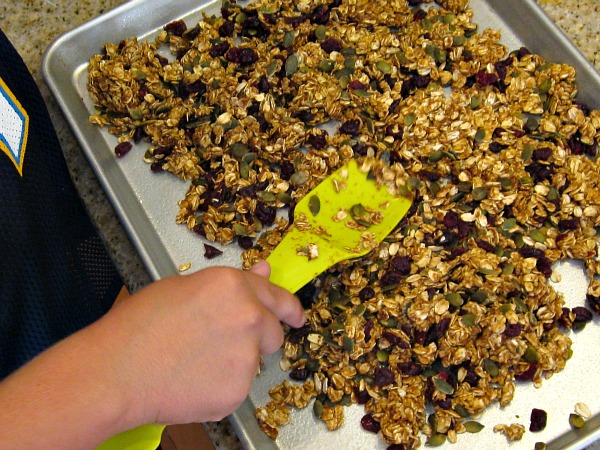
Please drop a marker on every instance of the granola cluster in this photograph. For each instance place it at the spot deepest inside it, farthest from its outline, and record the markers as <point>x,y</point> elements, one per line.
<point>257,106</point>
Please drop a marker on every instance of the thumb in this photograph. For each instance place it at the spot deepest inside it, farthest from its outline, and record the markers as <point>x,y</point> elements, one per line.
<point>261,268</point>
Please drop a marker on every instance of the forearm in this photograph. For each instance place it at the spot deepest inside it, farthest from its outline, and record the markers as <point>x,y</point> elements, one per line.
<point>66,398</point>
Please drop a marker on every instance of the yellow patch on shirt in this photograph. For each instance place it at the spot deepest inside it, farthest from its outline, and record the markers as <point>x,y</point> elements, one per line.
<point>14,127</point>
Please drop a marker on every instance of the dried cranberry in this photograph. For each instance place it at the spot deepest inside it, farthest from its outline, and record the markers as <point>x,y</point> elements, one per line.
<point>138,134</point>
<point>369,325</point>
<point>123,148</point>
<point>241,56</point>
<point>544,265</point>
<point>422,81</point>
<point>530,252</point>
<point>219,49</point>
<point>299,374</point>
<point>318,141</point>
<point>350,127</point>
<point>366,293</point>
<point>304,115</point>
<point>569,224</point>
<point>541,154</point>
<point>245,242</point>
<point>528,374</point>
<point>177,28</point>
<point>495,147</point>
<point>512,330</point>
<point>485,245</point>
<point>594,302</point>
<point>307,295</point>
<point>414,3</point>
<point>286,170</point>
<point>396,447</point>
<point>401,264</point>
<point>265,213</point>
<point>188,89</point>
<point>211,252</point>
<point>295,335</point>
<point>430,175</point>
<point>484,78</point>
<point>320,15</point>
<point>419,14</point>
<point>523,51</point>
<point>582,314</point>
<point>226,29</point>
<point>331,45</point>
<point>362,397</point>
<point>537,420</point>
<point>252,27</point>
<point>383,377</point>
<point>357,85</point>
<point>451,219</point>
<point>410,368</point>
<point>370,424</point>
<point>390,278</point>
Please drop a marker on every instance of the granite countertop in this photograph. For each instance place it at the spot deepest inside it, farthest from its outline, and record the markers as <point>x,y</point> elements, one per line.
<point>32,25</point>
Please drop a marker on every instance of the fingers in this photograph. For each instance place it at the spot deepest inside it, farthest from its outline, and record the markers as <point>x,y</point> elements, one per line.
<point>285,306</point>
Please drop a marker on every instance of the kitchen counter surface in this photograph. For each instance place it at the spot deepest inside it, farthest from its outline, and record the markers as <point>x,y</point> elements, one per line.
<point>32,25</point>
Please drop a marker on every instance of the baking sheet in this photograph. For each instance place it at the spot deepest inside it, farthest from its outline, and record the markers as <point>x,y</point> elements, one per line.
<point>147,204</point>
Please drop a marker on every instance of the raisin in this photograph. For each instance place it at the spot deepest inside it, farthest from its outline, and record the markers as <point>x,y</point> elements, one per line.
<point>211,252</point>
<point>123,148</point>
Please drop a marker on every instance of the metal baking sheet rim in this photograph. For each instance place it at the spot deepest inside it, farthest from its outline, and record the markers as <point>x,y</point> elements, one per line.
<point>145,218</point>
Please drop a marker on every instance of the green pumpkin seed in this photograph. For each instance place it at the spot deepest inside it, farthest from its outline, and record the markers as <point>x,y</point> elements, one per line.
<point>284,198</point>
<point>540,446</point>
<point>383,66</point>
<point>239,229</point>
<point>532,123</point>
<point>318,409</point>
<point>457,41</point>
<point>509,224</point>
<point>480,193</point>
<point>437,439</point>
<point>244,170</point>
<point>135,114</point>
<point>348,51</point>
<point>490,367</point>
<point>314,205</point>
<point>348,343</point>
<point>443,386</point>
<point>326,65</point>
<point>545,86</point>
<point>321,32</point>
<point>361,93</point>
<point>382,356</point>
<point>272,68</point>
<point>520,306</point>
<point>505,183</point>
<point>409,119</point>
<point>239,150</point>
<point>299,178</point>
<point>360,310</point>
<point>435,156</point>
<point>537,235</point>
<point>479,296</point>
<point>552,194</point>
<point>291,65</point>
<point>240,17</point>
<point>473,427</point>
<point>269,9</point>
<point>468,320</point>
<point>479,135</point>
<point>576,421</point>
<point>508,269</point>
<point>527,152</point>
<point>266,196</point>
<point>461,410</point>
<point>140,75</point>
<point>345,72</point>
<point>454,299</point>
<point>475,102</point>
<point>531,355</point>
<point>358,211</point>
<point>288,38</point>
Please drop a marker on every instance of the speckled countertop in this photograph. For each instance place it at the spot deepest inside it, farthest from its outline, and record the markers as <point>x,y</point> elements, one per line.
<point>32,25</point>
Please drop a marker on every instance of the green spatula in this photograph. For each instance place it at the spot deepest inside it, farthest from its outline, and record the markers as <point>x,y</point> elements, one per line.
<point>342,218</point>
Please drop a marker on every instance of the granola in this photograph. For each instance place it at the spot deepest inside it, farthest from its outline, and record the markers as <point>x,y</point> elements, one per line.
<point>454,308</point>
